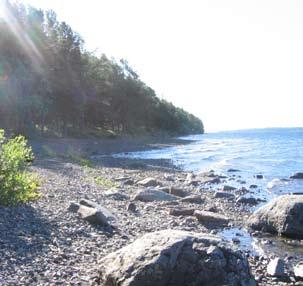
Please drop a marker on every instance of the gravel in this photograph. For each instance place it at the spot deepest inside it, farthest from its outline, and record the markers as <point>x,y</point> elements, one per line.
<point>43,243</point>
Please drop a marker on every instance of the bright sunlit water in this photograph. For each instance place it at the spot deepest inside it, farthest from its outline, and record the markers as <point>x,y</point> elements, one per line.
<point>276,153</point>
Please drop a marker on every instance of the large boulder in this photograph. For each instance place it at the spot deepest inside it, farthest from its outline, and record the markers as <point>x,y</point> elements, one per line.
<point>150,195</point>
<point>174,258</point>
<point>283,215</point>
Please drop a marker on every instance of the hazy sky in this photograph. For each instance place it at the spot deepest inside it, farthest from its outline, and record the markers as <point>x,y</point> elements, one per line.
<point>235,64</point>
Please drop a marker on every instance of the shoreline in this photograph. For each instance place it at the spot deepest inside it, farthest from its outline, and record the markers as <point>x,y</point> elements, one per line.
<point>43,238</point>
<point>88,147</point>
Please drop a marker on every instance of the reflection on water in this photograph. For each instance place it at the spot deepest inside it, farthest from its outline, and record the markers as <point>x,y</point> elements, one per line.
<point>274,153</point>
<point>267,245</point>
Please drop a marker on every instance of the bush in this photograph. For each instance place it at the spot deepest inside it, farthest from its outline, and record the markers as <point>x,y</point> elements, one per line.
<point>16,183</point>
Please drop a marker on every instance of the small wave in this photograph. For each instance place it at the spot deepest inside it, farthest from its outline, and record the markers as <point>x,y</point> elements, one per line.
<point>274,183</point>
<point>221,164</point>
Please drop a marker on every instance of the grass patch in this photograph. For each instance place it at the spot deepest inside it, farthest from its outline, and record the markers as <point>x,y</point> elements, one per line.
<point>105,182</point>
<point>70,155</point>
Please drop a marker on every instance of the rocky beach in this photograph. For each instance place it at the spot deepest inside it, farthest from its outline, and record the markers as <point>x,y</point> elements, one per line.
<point>101,220</point>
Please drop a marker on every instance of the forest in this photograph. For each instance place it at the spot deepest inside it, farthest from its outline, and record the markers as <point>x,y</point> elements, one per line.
<point>50,85</point>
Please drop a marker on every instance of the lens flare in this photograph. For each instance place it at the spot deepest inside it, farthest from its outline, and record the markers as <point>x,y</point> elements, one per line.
<point>25,38</point>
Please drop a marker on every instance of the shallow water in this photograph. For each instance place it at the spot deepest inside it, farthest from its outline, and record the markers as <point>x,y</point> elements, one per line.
<point>276,153</point>
<point>267,245</point>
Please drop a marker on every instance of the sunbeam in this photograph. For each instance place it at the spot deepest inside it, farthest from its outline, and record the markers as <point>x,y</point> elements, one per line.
<point>24,37</point>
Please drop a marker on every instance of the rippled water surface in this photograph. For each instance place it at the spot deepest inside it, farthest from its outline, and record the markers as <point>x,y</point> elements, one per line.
<point>276,153</point>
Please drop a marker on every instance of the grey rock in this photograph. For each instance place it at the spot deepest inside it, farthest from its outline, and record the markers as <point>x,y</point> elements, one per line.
<point>233,170</point>
<point>73,207</point>
<point>88,203</point>
<point>259,176</point>
<point>224,195</point>
<point>150,195</point>
<point>276,267</point>
<point>211,180</point>
<point>116,195</point>
<point>128,182</point>
<point>149,182</point>
<point>194,199</point>
<point>131,207</point>
<point>247,200</point>
<point>253,186</point>
<point>174,258</point>
<point>210,217</point>
<point>181,211</point>
<point>93,216</point>
<point>178,192</point>
<point>123,178</point>
<point>283,215</point>
<point>228,188</point>
<point>298,175</point>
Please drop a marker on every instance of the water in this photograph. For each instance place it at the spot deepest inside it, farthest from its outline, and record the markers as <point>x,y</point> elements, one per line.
<point>276,153</point>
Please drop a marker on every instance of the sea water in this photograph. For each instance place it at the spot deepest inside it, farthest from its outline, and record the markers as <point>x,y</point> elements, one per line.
<point>275,153</point>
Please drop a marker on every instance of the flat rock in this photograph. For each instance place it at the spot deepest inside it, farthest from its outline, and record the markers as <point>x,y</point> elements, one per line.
<point>276,267</point>
<point>179,192</point>
<point>233,170</point>
<point>193,199</point>
<point>116,195</point>
<point>150,195</point>
<point>174,258</point>
<point>149,182</point>
<point>228,188</point>
<point>207,216</point>
<point>224,195</point>
<point>210,180</point>
<point>181,211</point>
<point>283,215</point>
<point>247,200</point>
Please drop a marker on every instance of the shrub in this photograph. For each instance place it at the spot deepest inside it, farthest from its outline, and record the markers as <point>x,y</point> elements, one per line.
<point>17,184</point>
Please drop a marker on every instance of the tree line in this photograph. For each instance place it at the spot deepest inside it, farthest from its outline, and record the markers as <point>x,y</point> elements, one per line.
<point>49,84</point>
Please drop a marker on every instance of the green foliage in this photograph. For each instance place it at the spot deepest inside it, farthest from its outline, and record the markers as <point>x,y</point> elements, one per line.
<point>105,182</point>
<point>50,85</point>
<point>78,159</point>
<point>16,183</point>
<point>70,154</point>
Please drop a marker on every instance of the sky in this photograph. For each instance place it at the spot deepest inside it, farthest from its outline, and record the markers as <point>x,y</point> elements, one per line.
<point>235,64</point>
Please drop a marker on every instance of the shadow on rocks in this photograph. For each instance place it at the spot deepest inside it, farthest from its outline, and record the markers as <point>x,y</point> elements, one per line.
<point>24,234</point>
<point>134,164</point>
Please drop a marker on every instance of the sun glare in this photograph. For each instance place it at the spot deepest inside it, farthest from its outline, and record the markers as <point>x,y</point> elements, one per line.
<point>24,38</point>
<point>1,10</point>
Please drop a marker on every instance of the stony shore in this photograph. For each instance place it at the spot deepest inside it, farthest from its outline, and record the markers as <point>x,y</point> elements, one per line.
<point>44,243</point>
